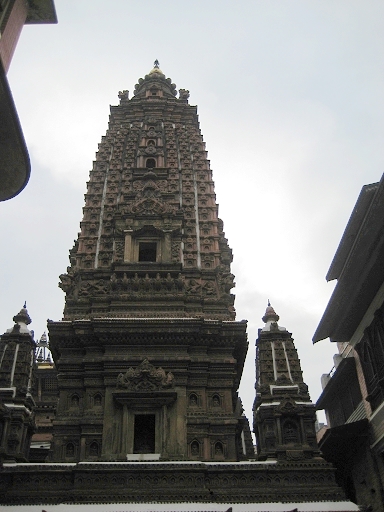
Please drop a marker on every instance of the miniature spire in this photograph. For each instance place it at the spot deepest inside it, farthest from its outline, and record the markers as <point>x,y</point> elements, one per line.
<point>270,319</point>
<point>270,314</point>
<point>22,319</point>
<point>22,316</point>
<point>43,340</point>
<point>42,353</point>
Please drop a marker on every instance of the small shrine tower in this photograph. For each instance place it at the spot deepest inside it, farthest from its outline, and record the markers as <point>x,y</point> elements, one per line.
<point>17,356</point>
<point>284,416</point>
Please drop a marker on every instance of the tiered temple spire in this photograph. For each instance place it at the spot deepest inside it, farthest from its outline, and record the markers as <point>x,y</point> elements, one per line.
<point>151,243</point>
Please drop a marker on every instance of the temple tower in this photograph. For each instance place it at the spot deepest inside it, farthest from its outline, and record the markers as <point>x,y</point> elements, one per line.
<point>149,356</point>
<point>17,352</point>
<point>151,243</point>
<point>284,416</point>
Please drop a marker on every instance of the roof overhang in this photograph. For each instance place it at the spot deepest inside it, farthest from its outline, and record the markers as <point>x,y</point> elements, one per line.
<point>41,11</point>
<point>358,266</point>
<point>15,167</point>
<point>336,443</point>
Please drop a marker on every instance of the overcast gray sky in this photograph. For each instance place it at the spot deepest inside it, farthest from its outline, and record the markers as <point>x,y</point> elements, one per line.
<point>290,99</point>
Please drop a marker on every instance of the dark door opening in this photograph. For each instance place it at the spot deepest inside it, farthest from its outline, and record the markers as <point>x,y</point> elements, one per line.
<point>147,251</point>
<point>144,440</point>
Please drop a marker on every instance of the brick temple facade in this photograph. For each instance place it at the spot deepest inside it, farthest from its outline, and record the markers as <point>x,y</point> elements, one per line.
<point>149,355</point>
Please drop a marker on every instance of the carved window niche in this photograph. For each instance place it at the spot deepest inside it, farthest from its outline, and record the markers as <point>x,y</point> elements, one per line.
<point>93,450</point>
<point>148,245</point>
<point>97,400</point>
<point>190,260</point>
<point>194,400</point>
<point>195,449</point>
<point>290,432</point>
<point>70,451</point>
<point>269,436</point>
<point>74,401</point>
<point>150,163</point>
<point>218,451</point>
<point>154,92</point>
<point>216,401</point>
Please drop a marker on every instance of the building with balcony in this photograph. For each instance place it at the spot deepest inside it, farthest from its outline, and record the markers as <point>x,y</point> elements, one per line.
<point>353,392</point>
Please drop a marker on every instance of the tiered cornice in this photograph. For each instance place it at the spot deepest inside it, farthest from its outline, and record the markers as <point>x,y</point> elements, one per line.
<point>133,483</point>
